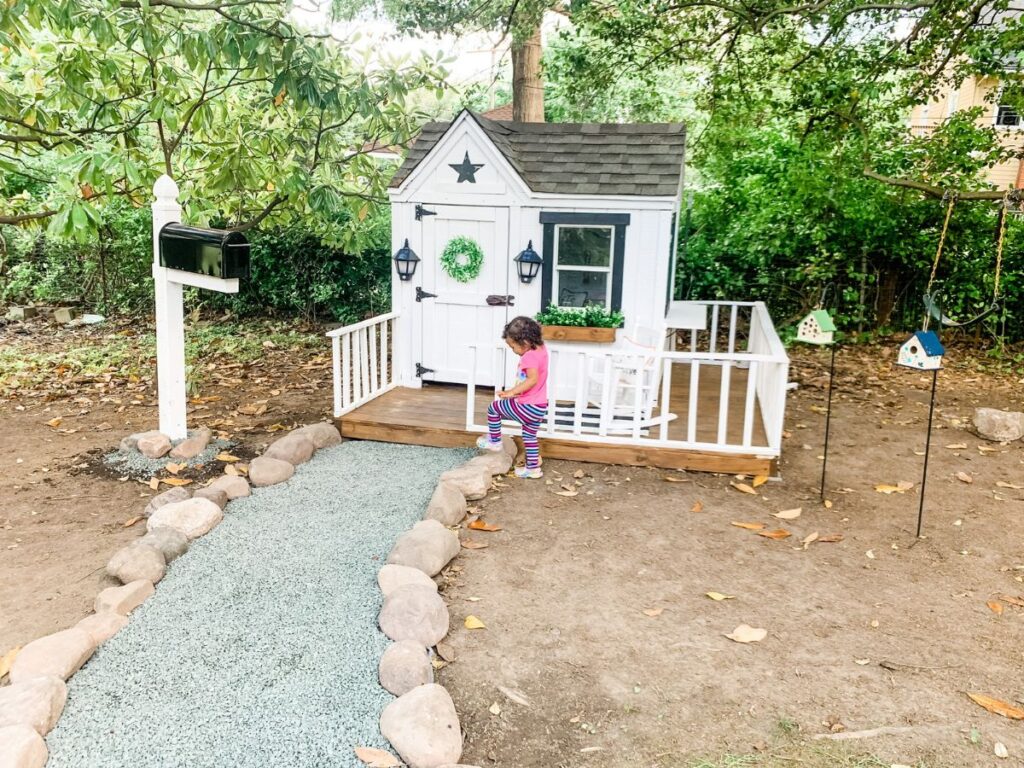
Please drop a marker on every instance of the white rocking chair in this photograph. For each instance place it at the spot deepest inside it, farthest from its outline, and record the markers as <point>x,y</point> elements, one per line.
<point>634,367</point>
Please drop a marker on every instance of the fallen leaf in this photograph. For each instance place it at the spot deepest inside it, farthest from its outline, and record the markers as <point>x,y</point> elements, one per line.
<point>870,554</point>
<point>480,525</point>
<point>698,506</point>
<point>654,612</point>
<point>176,481</point>
<point>229,469</point>
<point>132,521</point>
<point>749,526</point>
<point>900,487</point>
<point>789,514</point>
<point>719,596</point>
<point>377,758</point>
<point>103,427</point>
<point>995,607</point>
<point>1000,750</point>
<point>832,538</point>
<point>957,446</point>
<point>570,494</point>
<point>862,662</point>
<point>827,503</point>
<point>670,479</point>
<point>8,659</point>
<point>226,457</point>
<point>445,651</point>
<point>1001,484</point>
<point>778,533</point>
<point>1018,601</point>
<point>472,544</point>
<point>743,488</point>
<point>516,697</point>
<point>494,709</point>
<point>568,487</point>
<point>809,539</point>
<point>472,622</point>
<point>963,477</point>
<point>996,706</point>
<point>579,473</point>
<point>747,634</point>
<point>55,422</point>
<point>175,468</point>
<point>154,483</point>
<point>255,409</point>
<point>759,481</point>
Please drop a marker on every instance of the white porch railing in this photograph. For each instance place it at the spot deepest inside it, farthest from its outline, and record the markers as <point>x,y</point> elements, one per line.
<point>363,358</point>
<point>626,398</point>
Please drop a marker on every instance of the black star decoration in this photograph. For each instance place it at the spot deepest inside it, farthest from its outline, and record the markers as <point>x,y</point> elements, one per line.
<point>466,169</point>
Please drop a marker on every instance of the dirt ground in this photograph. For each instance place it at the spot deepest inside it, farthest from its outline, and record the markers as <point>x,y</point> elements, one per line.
<point>596,610</point>
<point>595,604</point>
<point>61,518</point>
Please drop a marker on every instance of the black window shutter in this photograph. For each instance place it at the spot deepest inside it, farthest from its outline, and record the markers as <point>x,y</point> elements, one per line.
<point>547,274</point>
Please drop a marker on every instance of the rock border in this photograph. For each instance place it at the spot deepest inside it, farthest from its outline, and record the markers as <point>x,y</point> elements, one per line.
<point>421,724</point>
<point>32,702</point>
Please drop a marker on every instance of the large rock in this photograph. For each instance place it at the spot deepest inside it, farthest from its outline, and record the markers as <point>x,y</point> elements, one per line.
<point>217,495</point>
<point>167,497</point>
<point>193,445</point>
<point>999,426</point>
<point>103,626</point>
<point>295,448</point>
<point>194,517</point>
<point>414,612</point>
<point>137,561</point>
<point>267,470</point>
<point>22,747</point>
<point>36,702</point>
<point>404,666</point>
<point>60,655</point>
<point>234,486</point>
<point>153,444</point>
<point>322,434</point>
<point>496,462</point>
<point>171,542</point>
<point>123,600</point>
<point>508,445</point>
<point>447,505</point>
<point>428,546</point>
<point>473,480</point>
<point>131,442</point>
<point>423,727</point>
<point>391,577</point>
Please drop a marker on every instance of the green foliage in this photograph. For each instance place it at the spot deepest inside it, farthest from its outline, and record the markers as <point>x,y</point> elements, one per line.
<point>592,316</point>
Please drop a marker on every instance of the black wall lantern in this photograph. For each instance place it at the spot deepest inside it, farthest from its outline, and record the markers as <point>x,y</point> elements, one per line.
<point>406,261</point>
<point>528,262</point>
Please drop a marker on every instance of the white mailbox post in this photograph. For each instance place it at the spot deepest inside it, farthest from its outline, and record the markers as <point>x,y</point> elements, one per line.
<point>170,313</point>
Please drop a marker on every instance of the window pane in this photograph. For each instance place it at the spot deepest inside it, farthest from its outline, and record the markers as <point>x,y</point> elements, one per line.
<point>1007,116</point>
<point>584,246</point>
<point>578,289</point>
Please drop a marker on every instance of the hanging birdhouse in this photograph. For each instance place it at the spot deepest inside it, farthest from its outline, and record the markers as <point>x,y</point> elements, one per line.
<point>922,351</point>
<point>816,328</point>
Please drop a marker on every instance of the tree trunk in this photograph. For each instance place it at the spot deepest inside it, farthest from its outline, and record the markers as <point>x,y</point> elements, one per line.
<point>527,82</point>
<point>886,301</point>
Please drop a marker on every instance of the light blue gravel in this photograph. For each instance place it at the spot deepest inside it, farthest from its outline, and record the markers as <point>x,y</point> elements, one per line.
<point>134,464</point>
<point>260,647</point>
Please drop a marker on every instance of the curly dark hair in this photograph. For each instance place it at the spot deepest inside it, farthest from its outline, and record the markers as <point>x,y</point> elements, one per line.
<point>524,330</point>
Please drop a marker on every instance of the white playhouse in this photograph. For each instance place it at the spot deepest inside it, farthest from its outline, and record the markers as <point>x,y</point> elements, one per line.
<point>494,219</point>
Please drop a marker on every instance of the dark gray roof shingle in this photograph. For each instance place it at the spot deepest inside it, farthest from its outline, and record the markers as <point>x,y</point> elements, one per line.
<point>577,158</point>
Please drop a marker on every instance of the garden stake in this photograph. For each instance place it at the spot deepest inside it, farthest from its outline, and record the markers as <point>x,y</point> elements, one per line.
<point>828,418</point>
<point>927,446</point>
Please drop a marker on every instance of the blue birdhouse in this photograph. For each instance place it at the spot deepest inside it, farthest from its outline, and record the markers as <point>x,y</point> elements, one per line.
<point>922,351</point>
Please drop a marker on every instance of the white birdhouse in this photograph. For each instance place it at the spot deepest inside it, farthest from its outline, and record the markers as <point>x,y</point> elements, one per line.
<point>922,351</point>
<point>816,328</point>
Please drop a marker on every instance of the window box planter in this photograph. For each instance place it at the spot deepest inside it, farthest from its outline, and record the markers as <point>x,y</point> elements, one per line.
<point>578,333</point>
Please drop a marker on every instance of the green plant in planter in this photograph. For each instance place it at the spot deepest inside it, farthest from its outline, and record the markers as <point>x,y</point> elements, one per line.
<point>592,316</point>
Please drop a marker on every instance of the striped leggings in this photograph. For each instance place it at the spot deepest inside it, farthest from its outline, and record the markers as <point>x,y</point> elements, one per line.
<point>530,416</point>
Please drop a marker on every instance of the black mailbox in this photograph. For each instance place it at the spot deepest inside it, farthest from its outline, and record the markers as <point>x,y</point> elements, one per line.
<point>214,252</point>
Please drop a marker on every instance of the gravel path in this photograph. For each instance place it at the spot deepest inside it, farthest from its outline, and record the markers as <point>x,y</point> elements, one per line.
<point>260,647</point>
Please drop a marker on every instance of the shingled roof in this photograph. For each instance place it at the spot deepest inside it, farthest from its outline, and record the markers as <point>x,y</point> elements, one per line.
<point>633,159</point>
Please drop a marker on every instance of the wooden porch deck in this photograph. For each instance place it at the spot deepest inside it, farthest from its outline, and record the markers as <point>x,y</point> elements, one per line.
<point>436,415</point>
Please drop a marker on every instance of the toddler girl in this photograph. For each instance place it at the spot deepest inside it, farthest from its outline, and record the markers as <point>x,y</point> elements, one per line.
<point>527,401</point>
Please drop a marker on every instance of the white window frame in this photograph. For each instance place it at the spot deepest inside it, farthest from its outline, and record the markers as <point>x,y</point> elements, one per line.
<point>557,268</point>
<point>995,117</point>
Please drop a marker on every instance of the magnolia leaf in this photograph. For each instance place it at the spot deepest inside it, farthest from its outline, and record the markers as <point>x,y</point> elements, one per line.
<point>55,422</point>
<point>154,483</point>
<point>480,525</point>
<point>963,477</point>
<point>957,446</point>
<point>472,622</point>
<point>670,479</point>
<point>832,538</point>
<point>175,468</point>
<point>570,494</point>
<point>226,457</point>
<point>747,634</point>
<point>377,758</point>
<point>654,612</point>
<point>809,539</point>
<point>698,506</point>
<point>133,520</point>
<point>759,481</point>
<point>176,481</point>
<point>494,709</point>
<point>1001,484</point>
<point>900,487</point>
<point>743,488</point>
<point>995,607</point>
<point>997,707</point>
<point>719,596</point>
<point>789,514</point>
<point>1018,601</point>
<point>471,544</point>
<point>749,526</point>
<point>778,533</point>
<point>579,473</point>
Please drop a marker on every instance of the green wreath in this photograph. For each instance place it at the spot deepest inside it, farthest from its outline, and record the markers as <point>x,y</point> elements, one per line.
<point>462,259</point>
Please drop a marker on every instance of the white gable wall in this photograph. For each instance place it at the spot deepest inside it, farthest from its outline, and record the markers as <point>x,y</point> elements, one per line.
<point>649,239</point>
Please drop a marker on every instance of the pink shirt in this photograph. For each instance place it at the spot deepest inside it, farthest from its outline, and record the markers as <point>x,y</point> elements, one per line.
<point>538,393</point>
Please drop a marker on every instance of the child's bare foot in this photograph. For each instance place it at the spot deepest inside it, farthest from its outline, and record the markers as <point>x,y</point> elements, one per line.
<point>529,473</point>
<point>484,444</point>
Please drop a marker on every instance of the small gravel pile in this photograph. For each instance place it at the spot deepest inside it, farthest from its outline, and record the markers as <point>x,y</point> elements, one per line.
<point>261,645</point>
<point>135,465</point>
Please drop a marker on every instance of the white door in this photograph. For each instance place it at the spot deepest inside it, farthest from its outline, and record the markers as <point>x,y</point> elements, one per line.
<point>459,314</point>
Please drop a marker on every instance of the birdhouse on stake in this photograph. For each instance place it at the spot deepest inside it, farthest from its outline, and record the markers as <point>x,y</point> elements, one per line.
<point>922,351</point>
<point>816,328</point>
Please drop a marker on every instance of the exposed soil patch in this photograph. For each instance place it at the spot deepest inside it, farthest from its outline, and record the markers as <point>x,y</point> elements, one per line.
<point>596,606</point>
